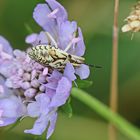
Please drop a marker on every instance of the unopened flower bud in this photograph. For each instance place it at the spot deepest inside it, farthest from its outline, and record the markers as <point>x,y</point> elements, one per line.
<point>42,88</point>
<point>35,83</point>
<point>27,76</point>
<point>25,85</point>
<point>30,92</point>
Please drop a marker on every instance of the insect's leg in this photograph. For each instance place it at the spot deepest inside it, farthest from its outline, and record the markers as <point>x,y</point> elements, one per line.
<point>73,41</point>
<point>51,38</point>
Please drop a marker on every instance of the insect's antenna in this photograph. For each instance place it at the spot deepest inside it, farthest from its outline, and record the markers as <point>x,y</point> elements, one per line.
<point>95,66</point>
<point>51,38</point>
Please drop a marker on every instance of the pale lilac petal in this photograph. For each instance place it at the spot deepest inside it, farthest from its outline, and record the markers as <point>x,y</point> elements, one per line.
<point>12,107</point>
<point>61,15</point>
<point>5,56</point>
<point>6,46</point>
<point>42,38</point>
<point>40,15</point>
<point>33,109</point>
<point>1,89</point>
<point>1,121</point>
<point>51,85</point>
<point>36,39</point>
<point>55,76</point>
<point>7,91</point>
<point>83,71</point>
<point>50,92</point>
<point>30,39</point>
<point>9,68</point>
<point>43,101</point>
<point>62,92</point>
<point>39,127</point>
<point>66,32</point>
<point>80,48</point>
<point>53,119</point>
<point>69,72</point>
<point>8,121</point>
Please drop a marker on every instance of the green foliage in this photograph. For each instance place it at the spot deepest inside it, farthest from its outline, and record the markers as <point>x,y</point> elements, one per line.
<point>28,28</point>
<point>119,122</point>
<point>67,108</point>
<point>83,83</point>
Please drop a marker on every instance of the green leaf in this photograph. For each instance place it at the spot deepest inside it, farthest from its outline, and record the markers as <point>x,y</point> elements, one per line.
<point>83,83</point>
<point>67,108</point>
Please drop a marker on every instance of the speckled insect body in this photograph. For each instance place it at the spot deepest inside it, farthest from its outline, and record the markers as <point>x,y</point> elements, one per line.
<point>48,55</point>
<point>52,56</point>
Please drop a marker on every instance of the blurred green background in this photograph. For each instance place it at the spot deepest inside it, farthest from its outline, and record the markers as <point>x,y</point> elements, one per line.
<point>96,20</point>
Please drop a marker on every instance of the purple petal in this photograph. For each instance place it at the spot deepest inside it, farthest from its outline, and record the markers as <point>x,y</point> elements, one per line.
<point>69,72</point>
<point>39,126</point>
<point>43,101</point>
<point>40,15</point>
<point>50,92</point>
<point>51,85</point>
<point>42,38</point>
<point>80,48</point>
<point>12,107</point>
<point>7,91</point>
<point>53,119</point>
<point>61,14</point>
<point>33,109</point>
<point>55,76</point>
<point>83,71</point>
<point>8,68</point>
<point>62,92</point>
<point>6,46</point>
<point>36,39</point>
<point>1,89</point>
<point>30,39</point>
<point>66,31</point>
<point>8,121</point>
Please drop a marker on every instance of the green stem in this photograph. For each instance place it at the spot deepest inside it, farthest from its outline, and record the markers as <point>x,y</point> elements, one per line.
<point>121,124</point>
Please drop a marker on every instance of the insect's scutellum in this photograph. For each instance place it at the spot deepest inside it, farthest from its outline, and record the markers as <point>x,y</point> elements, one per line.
<point>52,56</point>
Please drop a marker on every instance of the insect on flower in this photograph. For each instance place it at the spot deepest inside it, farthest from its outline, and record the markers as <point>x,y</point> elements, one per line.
<point>51,56</point>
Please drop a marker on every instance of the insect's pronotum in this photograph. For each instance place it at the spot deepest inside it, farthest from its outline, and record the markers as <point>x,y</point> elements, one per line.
<point>52,56</point>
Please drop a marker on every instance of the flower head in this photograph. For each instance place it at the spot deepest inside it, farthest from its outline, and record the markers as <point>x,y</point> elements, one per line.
<point>67,35</point>
<point>133,20</point>
<point>28,88</point>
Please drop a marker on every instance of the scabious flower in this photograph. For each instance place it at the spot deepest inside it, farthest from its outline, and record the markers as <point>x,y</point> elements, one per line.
<point>133,20</point>
<point>29,89</point>
<point>52,17</point>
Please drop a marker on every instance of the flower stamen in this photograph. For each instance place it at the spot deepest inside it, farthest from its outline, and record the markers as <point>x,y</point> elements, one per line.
<point>53,13</point>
